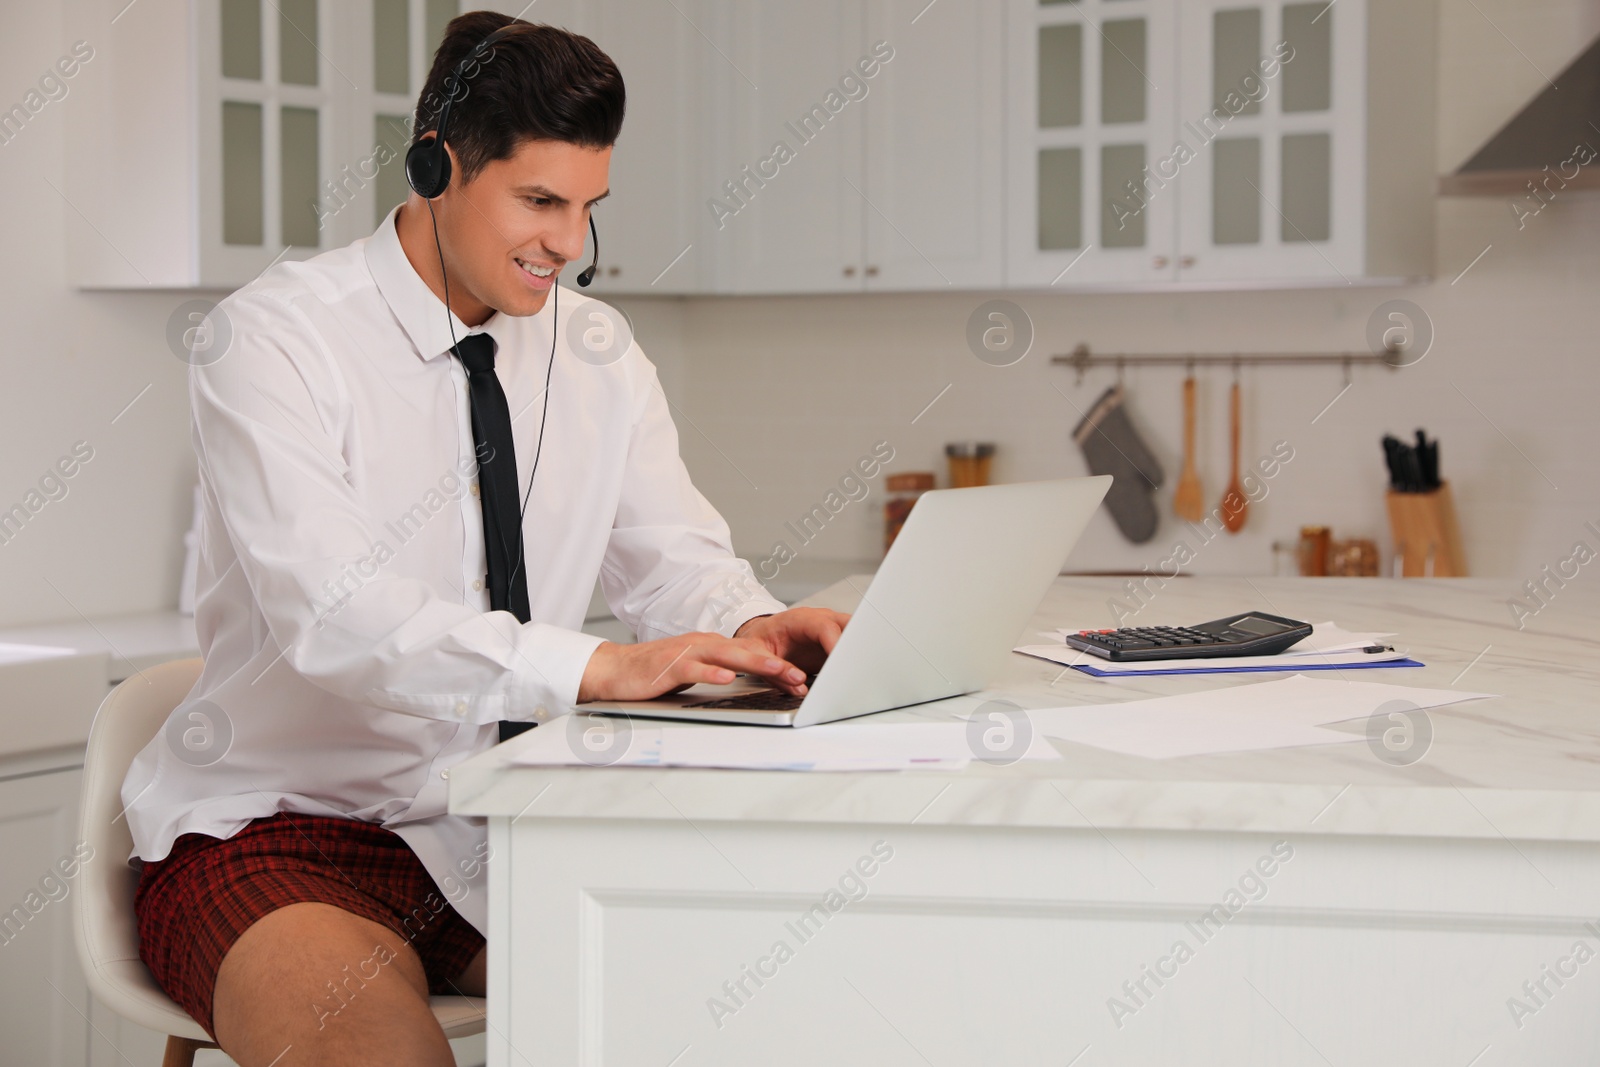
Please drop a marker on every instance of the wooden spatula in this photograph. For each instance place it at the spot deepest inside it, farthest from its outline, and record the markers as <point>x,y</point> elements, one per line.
<point>1235,504</point>
<point>1188,501</point>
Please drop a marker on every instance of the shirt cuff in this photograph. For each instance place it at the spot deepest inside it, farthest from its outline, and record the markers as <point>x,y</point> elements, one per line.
<point>750,609</point>
<point>550,671</point>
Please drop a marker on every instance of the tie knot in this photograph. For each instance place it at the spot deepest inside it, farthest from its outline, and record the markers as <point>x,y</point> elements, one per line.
<point>477,352</point>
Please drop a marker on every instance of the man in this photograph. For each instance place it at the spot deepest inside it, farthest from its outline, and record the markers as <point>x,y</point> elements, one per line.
<point>303,889</point>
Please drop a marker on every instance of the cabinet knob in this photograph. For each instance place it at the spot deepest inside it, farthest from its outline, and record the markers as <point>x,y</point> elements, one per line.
<point>849,272</point>
<point>872,272</point>
<point>1160,262</point>
<point>1186,261</point>
<point>613,271</point>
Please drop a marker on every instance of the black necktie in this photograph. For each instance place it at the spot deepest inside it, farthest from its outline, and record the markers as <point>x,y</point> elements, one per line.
<point>497,487</point>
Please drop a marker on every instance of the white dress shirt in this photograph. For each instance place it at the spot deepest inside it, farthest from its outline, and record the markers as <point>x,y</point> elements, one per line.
<point>342,604</point>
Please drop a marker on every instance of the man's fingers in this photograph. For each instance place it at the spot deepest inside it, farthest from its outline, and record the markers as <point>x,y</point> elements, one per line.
<point>830,628</point>
<point>715,660</point>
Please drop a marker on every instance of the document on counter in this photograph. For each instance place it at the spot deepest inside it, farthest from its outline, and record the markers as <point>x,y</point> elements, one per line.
<point>1330,647</point>
<point>842,746</point>
<point>1286,713</point>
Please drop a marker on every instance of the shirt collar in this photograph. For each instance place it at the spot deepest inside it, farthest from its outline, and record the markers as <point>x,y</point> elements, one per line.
<point>419,312</point>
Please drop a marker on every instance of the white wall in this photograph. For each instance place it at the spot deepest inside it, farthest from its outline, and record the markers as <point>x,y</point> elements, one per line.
<point>795,389</point>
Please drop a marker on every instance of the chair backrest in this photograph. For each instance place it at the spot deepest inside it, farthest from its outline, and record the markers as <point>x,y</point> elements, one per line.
<point>107,937</point>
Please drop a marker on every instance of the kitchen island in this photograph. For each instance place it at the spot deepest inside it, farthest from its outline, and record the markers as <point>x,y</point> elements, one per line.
<point>1344,904</point>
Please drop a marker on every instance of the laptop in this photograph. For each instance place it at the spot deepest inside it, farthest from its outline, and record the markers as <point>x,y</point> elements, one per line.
<point>963,577</point>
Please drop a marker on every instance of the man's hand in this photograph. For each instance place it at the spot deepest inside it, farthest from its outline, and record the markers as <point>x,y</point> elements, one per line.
<point>781,648</point>
<point>651,668</point>
<point>803,636</point>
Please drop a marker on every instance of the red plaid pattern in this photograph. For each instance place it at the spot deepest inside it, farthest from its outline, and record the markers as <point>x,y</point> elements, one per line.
<point>193,905</point>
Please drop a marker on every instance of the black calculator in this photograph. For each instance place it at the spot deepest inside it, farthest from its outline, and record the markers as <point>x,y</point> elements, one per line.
<point>1254,633</point>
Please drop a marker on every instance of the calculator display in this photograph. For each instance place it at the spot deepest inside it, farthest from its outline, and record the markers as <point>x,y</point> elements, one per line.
<point>1252,625</point>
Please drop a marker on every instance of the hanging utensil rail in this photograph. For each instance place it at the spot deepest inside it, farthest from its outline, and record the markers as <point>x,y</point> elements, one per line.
<point>1081,359</point>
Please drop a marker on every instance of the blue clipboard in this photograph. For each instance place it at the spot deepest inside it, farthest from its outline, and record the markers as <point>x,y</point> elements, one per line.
<point>1098,673</point>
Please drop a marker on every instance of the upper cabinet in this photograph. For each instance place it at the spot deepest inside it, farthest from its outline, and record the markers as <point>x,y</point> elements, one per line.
<point>855,146</point>
<point>1219,142</point>
<point>651,230</point>
<point>781,147</point>
<point>1089,112</point>
<point>228,134</point>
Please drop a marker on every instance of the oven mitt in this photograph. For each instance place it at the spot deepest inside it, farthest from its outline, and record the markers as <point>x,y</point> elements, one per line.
<point>1112,446</point>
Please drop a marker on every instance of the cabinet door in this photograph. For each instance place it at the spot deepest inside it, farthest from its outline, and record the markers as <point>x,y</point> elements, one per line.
<point>934,153</point>
<point>1273,101</point>
<point>1089,120</point>
<point>784,217</point>
<point>648,227</point>
<point>44,1001</point>
<point>270,110</point>
<point>391,47</point>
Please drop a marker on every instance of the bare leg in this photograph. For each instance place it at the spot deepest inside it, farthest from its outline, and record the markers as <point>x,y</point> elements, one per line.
<point>312,984</point>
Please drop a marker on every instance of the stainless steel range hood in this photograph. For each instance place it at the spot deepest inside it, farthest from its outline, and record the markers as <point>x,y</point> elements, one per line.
<point>1552,144</point>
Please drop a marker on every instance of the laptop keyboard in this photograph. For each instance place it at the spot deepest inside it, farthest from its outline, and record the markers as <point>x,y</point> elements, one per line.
<point>760,700</point>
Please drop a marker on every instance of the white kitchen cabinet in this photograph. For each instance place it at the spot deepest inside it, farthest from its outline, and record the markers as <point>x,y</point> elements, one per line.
<point>1265,143</point>
<point>219,136</point>
<point>654,228</point>
<point>1326,172</point>
<point>784,218</point>
<point>857,147</point>
<point>1090,105</point>
<point>44,999</point>
<point>934,154</point>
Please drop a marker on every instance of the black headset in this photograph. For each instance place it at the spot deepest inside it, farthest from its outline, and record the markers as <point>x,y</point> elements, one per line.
<point>428,164</point>
<point>428,174</point>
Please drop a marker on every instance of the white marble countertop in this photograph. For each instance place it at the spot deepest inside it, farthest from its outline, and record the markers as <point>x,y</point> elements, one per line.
<point>132,642</point>
<point>1523,765</point>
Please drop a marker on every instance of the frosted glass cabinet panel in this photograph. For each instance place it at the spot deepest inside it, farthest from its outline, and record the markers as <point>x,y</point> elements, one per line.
<point>1277,118</point>
<point>264,133</point>
<point>1088,118</point>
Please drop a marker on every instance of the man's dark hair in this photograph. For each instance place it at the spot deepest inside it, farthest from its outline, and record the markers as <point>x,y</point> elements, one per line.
<point>537,83</point>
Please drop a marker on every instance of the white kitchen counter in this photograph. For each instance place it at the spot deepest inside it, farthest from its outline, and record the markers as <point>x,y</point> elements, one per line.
<point>131,642</point>
<point>1304,906</point>
<point>1526,764</point>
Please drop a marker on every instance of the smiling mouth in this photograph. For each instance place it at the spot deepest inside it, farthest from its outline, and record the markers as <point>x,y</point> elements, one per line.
<point>537,270</point>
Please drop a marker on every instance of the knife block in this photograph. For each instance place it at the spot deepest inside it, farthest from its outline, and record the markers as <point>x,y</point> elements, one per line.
<point>1426,537</point>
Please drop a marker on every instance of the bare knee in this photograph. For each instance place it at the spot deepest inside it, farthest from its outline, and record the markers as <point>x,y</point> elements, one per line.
<point>312,984</point>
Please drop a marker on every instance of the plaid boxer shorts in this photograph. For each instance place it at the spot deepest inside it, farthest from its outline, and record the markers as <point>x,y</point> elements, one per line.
<point>194,904</point>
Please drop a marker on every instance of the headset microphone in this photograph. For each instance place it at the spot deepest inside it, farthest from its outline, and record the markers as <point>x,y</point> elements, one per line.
<point>588,273</point>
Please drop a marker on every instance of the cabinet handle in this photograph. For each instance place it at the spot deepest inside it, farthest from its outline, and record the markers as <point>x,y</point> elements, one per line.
<point>849,272</point>
<point>1161,262</point>
<point>1186,261</point>
<point>614,271</point>
<point>872,272</point>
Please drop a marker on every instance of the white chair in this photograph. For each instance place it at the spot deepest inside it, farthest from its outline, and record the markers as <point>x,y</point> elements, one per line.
<point>108,945</point>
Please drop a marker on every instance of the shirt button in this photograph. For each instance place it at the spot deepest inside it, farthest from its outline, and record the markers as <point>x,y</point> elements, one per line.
<point>477,585</point>
<point>474,488</point>
<point>540,713</point>
<point>461,707</point>
<point>444,774</point>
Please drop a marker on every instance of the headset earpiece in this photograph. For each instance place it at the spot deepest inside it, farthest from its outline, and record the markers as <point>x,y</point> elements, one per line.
<point>428,164</point>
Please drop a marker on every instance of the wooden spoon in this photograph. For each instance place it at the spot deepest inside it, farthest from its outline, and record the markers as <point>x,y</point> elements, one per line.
<point>1188,501</point>
<point>1234,503</point>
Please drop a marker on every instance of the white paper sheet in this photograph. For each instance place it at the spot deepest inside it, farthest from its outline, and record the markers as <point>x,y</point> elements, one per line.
<point>1329,644</point>
<point>1325,637</point>
<point>1284,713</point>
<point>829,747</point>
<point>1068,656</point>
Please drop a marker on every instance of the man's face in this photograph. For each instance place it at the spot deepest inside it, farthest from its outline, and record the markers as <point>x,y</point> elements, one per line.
<point>517,216</point>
